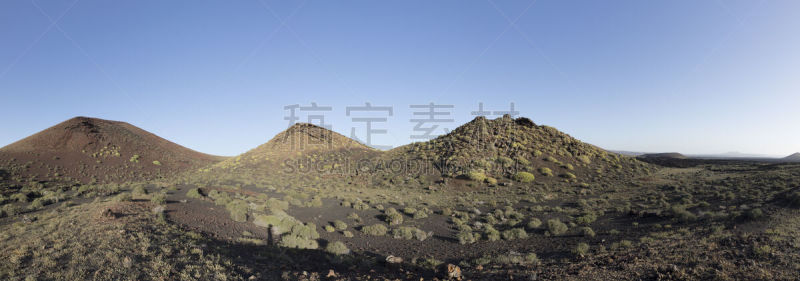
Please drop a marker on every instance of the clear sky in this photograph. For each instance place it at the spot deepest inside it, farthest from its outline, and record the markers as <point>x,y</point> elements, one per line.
<point>690,76</point>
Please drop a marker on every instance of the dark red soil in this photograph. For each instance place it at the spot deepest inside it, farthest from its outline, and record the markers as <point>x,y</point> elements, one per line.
<point>87,149</point>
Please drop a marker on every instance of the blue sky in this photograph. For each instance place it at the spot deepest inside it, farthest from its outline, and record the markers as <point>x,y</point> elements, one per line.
<point>689,76</point>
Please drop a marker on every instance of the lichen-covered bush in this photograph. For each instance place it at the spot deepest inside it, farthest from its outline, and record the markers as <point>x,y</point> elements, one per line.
<point>375,230</point>
<point>515,233</point>
<point>524,177</point>
<point>337,248</point>
<point>556,227</point>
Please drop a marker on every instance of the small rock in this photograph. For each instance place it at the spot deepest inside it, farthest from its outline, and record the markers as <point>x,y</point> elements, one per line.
<point>331,274</point>
<point>107,213</point>
<point>453,272</point>
<point>393,260</point>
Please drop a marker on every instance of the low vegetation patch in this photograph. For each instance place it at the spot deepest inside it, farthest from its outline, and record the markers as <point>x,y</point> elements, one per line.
<point>375,230</point>
<point>524,177</point>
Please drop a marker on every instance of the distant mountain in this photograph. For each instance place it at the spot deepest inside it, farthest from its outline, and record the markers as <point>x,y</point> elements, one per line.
<point>670,155</point>
<point>95,150</point>
<point>628,153</point>
<point>730,155</point>
<point>792,158</point>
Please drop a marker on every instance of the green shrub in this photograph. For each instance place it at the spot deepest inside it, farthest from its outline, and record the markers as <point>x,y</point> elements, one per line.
<point>38,203</point>
<point>134,158</point>
<point>337,248</point>
<point>159,198</point>
<point>123,197</point>
<point>238,210</point>
<point>156,163</point>
<point>315,202</point>
<point>298,242</point>
<point>517,259</point>
<point>393,217</point>
<point>139,190</point>
<point>584,159</point>
<point>280,223</point>
<point>762,251</point>
<point>568,167</point>
<point>409,211</point>
<point>408,233</point>
<point>626,243</point>
<point>429,263</point>
<point>505,161</point>
<point>586,218</point>
<point>375,230</point>
<point>20,197</point>
<point>524,177</point>
<point>556,227</point>
<point>534,223</point>
<point>466,237</point>
<point>581,249</point>
<point>546,171</point>
<point>420,215</point>
<point>491,233</point>
<point>330,228</point>
<point>353,216</point>
<point>587,231</point>
<point>220,198</point>
<point>347,234</point>
<point>755,213</point>
<point>10,210</point>
<point>476,176</point>
<point>515,233</point>
<point>361,206</point>
<point>194,193</point>
<point>308,230</point>
<point>340,225</point>
<point>276,204</point>
<point>491,181</point>
<point>682,214</point>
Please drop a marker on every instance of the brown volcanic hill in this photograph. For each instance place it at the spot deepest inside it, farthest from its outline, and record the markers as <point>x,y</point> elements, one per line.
<point>90,149</point>
<point>301,141</point>
<point>502,147</point>
<point>792,158</point>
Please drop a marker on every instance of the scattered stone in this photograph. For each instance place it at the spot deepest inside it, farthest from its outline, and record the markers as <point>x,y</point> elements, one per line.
<point>107,213</point>
<point>393,260</point>
<point>331,274</point>
<point>453,272</point>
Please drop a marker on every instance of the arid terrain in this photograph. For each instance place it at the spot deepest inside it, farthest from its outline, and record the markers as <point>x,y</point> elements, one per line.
<point>501,199</point>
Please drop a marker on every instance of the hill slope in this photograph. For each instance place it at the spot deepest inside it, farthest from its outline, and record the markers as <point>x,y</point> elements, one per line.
<point>302,142</point>
<point>497,148</point>
<point>792,158</point>
<point>90,149</point>
<point>502,147</point>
